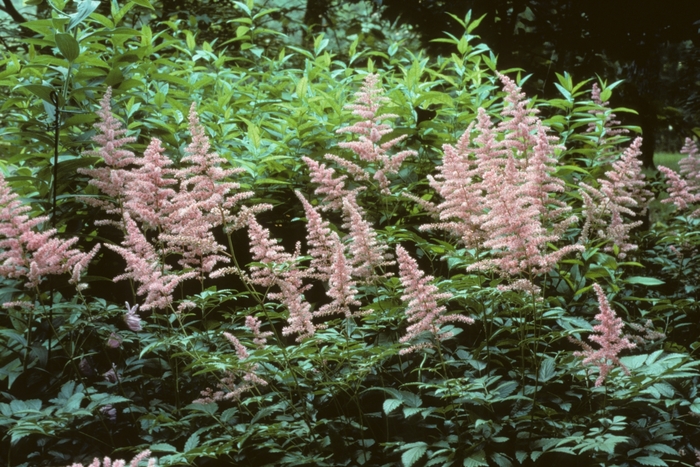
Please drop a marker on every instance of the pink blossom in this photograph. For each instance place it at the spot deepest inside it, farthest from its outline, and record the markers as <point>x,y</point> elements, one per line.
<point>148,193</point>
<point>110,140</point>
<point>608,335</point>
<point>342,289</point>
<point>107,462</point>
<point>607,208</point>
<point>26,253</point>
<point>240,349</point>
<point>319,241</point>
<point>331,188</point>
<point>144,266</point>
<point>370,131</point>
<point>260,338</point>
<point>684,191</point>
<point>423,311</point>
<point>365,251</point>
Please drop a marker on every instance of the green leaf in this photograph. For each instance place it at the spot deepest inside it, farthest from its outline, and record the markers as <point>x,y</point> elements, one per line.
<point>391,404</point>
<point>643,280</point>
<point>144,3</point>
<point>649,460</point>
<point>547,370</point>
<point>501,460</point>
<point>68,46</point>
<point>476,460</point>
<point>163,447</point>
<point>192,442</point>
<point>85,9</point>
<point>413,453</point>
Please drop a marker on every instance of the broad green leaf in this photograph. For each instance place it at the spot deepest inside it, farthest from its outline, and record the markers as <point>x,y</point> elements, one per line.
<point>163,447</point>
<point>413,454</point>
<point>192,442</point>
<point>476,460</point>
<point>650,460</point>
<point>390,405</point>
<point>547,369</point>
<point>68,46</point>
<point>85,9</point>
<point>643,280</point>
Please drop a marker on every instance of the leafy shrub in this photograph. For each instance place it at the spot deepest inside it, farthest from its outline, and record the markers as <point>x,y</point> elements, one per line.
<point>332,346</point>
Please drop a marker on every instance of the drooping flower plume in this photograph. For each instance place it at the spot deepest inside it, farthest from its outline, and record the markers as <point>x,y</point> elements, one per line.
<point>608,335</point>
<point>26,253</point>
<point>608,207</point>
<point>422,311</point>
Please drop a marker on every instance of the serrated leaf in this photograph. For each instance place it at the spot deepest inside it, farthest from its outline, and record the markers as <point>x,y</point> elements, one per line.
<point>390,405</point>
<point>192,442</point>
<point>658,447</point>
<point>163,447</point>
<point>413,454</point>
<point>501,460</point>
<point>476,460</point>
<point>547,370</point>
<point>649,460</point>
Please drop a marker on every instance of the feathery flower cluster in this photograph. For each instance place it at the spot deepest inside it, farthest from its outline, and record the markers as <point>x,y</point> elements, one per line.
<point>422,311</point>
<point>280,269</point>
<point>605,125</point>
<point>498,193</point>
<point>235,382</point>
<point>145,267</point>
<point>370,131</point>
<point>182,206</point>
<point>606,207</point>
<point>110,179</point>
<point>366,251</point>
<point>259,337</point>
<point>107,462</point>
<point>341,286</point>
<point>685,191</point>
<point>25,253</point>
<point>608,335</point>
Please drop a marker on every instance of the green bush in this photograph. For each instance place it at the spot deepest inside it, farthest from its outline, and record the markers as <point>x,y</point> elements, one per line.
<point>330,346</point>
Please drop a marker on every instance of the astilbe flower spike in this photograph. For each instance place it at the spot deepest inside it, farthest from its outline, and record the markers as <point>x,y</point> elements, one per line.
<point>342,288</point>
<point>366,251</point>
<point>608,335</point>
<point>605,126</point>
<point>144,266</point>
<point>107,462</point>
<point>370,131</point>
<point>684,191</point>
<point>423,311</point>
<point>605,208</point>
<point>26,253</point>
<point>237,381</point>
<point>498,192</point>
<point>321,245</point>
<point>113,177</point>
<point>280,269</point>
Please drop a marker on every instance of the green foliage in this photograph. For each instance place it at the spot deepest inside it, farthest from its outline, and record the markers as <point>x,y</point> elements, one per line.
<point>506,390</point>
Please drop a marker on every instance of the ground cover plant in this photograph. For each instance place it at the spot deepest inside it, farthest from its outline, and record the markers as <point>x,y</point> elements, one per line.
<point>288,255</point>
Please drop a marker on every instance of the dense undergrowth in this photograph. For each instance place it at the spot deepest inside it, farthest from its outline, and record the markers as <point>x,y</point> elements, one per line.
<point>357,257</point>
